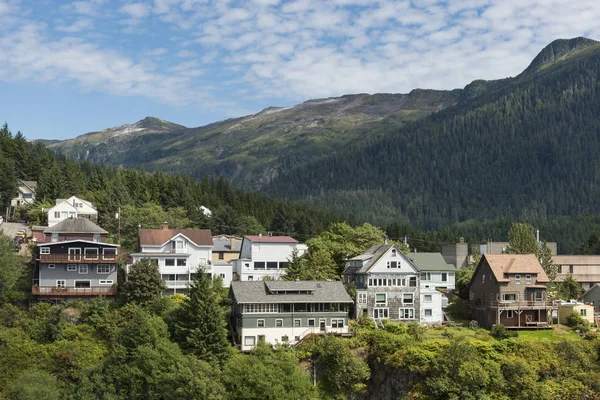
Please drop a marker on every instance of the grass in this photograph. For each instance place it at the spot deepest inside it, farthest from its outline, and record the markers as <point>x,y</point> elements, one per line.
<point>560,332</point>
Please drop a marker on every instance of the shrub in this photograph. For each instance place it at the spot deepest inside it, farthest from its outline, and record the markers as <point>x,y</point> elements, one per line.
<point>500,332</point>
<point>575,319</point>
<point>591,335</point>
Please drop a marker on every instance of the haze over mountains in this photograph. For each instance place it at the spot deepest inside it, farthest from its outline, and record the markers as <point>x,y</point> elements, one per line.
<point>522,146</point>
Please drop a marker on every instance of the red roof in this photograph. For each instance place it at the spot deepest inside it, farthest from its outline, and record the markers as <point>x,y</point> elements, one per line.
<point>271,239</point>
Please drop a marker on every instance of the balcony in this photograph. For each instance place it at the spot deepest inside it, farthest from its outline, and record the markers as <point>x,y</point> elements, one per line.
<point>78,259</point>
<point>74,291</point>
<point>178,284</point>
<point>520,305</point>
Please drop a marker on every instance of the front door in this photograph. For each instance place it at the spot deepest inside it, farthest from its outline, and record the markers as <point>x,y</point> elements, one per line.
<point>74,254</point>
<point>322,325</point>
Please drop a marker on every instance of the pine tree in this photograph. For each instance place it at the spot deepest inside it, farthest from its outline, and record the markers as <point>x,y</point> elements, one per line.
<point>201,327</point>
<point>144,282</point>
<point>521,239</point>
<point>544,255</point>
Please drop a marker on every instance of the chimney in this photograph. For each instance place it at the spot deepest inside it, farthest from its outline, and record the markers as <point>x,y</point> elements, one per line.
<point>537,235</point>
<point>297,278</point>
<point>260,235</point>
<point>165,226</point>
<point>231,242</point>
<point>385,241</point>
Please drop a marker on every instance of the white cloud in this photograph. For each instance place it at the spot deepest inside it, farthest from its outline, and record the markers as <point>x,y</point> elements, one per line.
<point>77,26</point>
<point>136,10</point>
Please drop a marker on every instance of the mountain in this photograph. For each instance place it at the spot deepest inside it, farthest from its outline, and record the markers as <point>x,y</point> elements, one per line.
<point>254,149</point>
<point>523,147</point>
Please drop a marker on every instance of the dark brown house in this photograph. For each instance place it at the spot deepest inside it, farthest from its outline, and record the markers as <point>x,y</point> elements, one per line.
<point>510,289</point>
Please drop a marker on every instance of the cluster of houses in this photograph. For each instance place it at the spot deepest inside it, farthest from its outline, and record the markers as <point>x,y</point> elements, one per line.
<point>77,262</point>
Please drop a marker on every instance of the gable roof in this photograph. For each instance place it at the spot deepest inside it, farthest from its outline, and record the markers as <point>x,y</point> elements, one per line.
<point>591,290</point>
<point>225,244</point>
<point>430,262</point>
<point>270,239</point>
<point>501,264</point>
<point>261,291</point>
<point>32,185</point>
<point>159,237</point>
<point>75,225</point>
<point>373,254</point>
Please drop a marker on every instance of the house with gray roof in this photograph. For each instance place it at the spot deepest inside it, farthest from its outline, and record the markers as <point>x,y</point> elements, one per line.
<point>388,286</point>
<point>287,311</point>
<point>592,296</point>
<point>435,272</point>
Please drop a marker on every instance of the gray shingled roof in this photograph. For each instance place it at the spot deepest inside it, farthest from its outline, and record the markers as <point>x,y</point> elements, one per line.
<point>225,245</point>
<point>430,262</point>
<point>377,251</point>
<point>258,292</point>
<point>75,225</point>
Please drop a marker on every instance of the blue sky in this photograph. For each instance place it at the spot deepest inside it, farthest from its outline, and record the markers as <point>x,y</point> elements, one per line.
<point>71,67</point>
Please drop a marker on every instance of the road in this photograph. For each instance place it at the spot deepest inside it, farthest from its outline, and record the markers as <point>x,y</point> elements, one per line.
<point>11,228</point>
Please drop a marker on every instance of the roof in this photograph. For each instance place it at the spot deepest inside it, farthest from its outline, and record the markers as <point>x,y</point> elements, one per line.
<point>376,252</point>
<point>591,289</point>
<point>30,184</point>
<point>261,291</point>
<point>270,239</point>
<point>224,244</point>
<point>430,262</point>
<point>158,237</point>
<point>501,264</point>
<point>75,225</point>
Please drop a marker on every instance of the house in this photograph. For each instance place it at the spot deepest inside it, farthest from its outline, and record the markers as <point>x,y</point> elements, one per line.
<point>177,252</point>
<point>510,289</point>
<point>226,248</point>
<point>287,311</point>
<point>265,257</point>
<point>73,207</point>
<point>435,272</point>
<point>569,307</point>
<point>75,262</point>
<point>25,194</point>
<point>73,229</point>
<point>388,287</point>
<point>583,268</point>
<point>592,296</point>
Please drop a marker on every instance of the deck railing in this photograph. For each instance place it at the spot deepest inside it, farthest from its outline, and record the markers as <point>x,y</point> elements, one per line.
<point>519,304</point>
<point>74,291</point>
<point>178,284</point>
<point>78,259</point>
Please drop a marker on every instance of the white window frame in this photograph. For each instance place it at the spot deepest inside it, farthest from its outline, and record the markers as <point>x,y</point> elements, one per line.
<point>583,312</point>
<point>517,279</point>
<point>57,214</point>
<point>427,298</point>
<point>51,266</point>
<point>515,294</point>
<point>44,250</point>
<point>412,301</point>
<point>61,283</point>
<point>425,276</point>
<point>82,280</point>
<point>72,267</point>
<point>183,264</point>
<point>510,314</point>
<point>111,256</point>
<point>444,277</point>
<point>313,322</point>
<point>299,323</point>
<point>250,341</point>
<point>393,252</point>
<point>528,279</point>
<point>377,304</point>
<point>103,265</point>
<point>401,313</point>
<point>278,323</point>
<point>258,323</point>
<point>93,256</point>
<point>379,310</point>
<point>362,297</point>
<point>428,310</point>
<point>83,267</point>
<point>105,282</point>
<point>170,259</point>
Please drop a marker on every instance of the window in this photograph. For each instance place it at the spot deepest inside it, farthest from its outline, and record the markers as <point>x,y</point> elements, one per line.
<point>82,284</point>
<point>90,254</point>
<point>83,268</point>
<point>44,250</point>
<point>428,312</point>
<point>272,265</point>
<point>103,269</point>
<point>56,214</point>
<point>285,338</point>
<point>528,279</point>
<point>510,296</point>
<point>337,323</point>
<point>380,313</point>
<point>426,276</point>
<point>181,262</point>
<point>370,282</point>
<point>392,264</point>
<point>583,312</point>
<point>72,267</point>
<point>407,298</point>
<point>96,237</point>
<point>108,254</point>
<point>427,298</point>
<point>178,245</point>
<point>259,265</point>
<point>54,237</point>
<point>50,266</point>
<point>278,323</point>
<point>221,255</point>
<point>412,281</point>
<point>311,322</point>
<point>393,252</point>
<point>250,278</point>
<point>260,323</point>
<point>406,313</point>
<point>362,298</point>
<point>482,279</point>
<point>222,275</point>
<point>444,277</point>
<point>510,314</point>
<point>570,269</point>
<point>61,283</point>
<point>105,282</point>
<point>261,308</point>
<point>283,265</point>
<point>380,299</point>
<point>249,340</point>
<point>169,262</point>
<point>297,322</point>
<point>517,279</point>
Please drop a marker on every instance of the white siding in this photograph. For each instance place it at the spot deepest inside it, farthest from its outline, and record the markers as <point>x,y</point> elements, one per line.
<point>435,305</point>
<point>436,280</point>
<point>244,267</point>
<point>66,211</point>
<point>274,335</point>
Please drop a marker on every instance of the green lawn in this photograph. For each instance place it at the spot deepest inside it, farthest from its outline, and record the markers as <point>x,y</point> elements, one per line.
<point>558,333</point>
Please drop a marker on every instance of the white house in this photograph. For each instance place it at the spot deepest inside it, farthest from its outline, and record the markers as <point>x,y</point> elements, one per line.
<point>73,207</point>
<point>178,254</point>
<point>435,272</point>
<point>25,194</point>
<point>265,256</point>
<point>388,286</point>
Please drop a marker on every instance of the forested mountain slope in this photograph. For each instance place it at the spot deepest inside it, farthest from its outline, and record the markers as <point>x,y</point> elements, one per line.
<point>521,147</point>
<point>251,150</point>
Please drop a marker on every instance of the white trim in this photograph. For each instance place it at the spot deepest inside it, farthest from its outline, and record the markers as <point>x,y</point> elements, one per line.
<point>381,304</point>
<point>104,253</point>
<point>314,322</point>
<point>63,285</point>
<point>77,256</point>
<point>44,248</point>
<point>87,269</point>
<point>258,321</point>
<point>409,309</point>
<point>97,255</point>
<point>82,280</point>
<point>103,265</point>
<point>72,267</point>
<point>299,322</point>
<point>51,266</point>
<point>279,321</point>
<point>105,282</point>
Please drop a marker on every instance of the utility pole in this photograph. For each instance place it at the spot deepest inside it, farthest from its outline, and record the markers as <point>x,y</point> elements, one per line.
<point>119,231</point>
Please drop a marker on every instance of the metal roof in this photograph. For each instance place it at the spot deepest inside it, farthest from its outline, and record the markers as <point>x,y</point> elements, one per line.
<point>430,262</point>
<point>262,292</point>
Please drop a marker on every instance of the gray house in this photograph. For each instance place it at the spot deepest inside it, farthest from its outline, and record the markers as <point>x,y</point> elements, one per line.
<point>592,296</point>
<point>76,263</point>
<point>287,311</point>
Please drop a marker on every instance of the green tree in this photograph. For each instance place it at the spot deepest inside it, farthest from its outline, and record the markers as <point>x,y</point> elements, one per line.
<point>34,385</point>
<point>201,328</point>
<point>144,282</point>
<point>522,239</point>
<point>569,288</point>
<point>12,271</point>
<point>544,255</point>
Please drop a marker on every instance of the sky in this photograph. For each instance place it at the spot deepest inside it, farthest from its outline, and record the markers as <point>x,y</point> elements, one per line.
<point>71,67</point>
